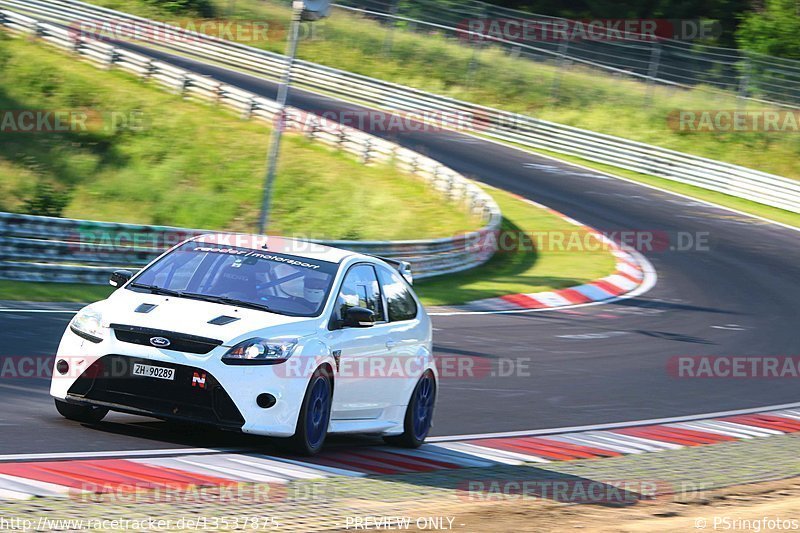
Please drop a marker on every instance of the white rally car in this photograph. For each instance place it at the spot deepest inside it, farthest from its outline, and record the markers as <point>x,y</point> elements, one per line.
<point>262,335</point>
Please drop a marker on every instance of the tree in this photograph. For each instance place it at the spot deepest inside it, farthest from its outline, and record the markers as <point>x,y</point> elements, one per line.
<point>772,30</point>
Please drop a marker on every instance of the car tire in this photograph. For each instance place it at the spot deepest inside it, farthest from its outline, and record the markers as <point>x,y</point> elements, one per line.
<point>419,414</point>
<point>88,414</point>
<point>315,414</point>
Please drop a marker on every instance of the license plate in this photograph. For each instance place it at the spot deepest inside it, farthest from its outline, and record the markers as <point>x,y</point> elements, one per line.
<point>157,372</point>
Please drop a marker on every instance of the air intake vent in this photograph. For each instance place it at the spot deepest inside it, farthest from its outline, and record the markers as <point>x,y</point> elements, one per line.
<point>222,320</point>
<point>144,308</point>
<point>180,342</point>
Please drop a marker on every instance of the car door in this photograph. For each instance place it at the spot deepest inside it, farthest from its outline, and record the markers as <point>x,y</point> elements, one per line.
<point>359,389</point>
<point>406,337</point>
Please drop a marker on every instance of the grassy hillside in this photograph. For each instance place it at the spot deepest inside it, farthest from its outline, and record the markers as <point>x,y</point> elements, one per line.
<point>188,164</point>
<point>584,98</point>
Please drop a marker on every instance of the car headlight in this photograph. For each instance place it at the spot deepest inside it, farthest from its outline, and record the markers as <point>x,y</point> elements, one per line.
<point>88,324</point>
<point>260,351</point>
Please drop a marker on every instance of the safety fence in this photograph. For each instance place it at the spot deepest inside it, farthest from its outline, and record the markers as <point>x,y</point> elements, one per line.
<point>668,53</point>
<point>36,248</point>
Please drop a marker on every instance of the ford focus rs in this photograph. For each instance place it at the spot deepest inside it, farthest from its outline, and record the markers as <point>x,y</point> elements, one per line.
<point>261,335</point>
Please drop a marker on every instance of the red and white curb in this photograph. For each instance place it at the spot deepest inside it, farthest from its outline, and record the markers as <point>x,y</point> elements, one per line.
<point>633,275</point>
<point>75,475</point>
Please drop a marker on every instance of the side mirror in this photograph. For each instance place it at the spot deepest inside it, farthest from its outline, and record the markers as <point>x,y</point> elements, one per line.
<point>120,278</point>
<point>358,317</point>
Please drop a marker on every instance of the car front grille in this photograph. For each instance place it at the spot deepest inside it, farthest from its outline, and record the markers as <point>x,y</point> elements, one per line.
<point>194,395</point>
<point>180,342</point>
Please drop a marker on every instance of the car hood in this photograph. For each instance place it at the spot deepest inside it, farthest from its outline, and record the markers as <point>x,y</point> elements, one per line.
<point>193,317</point>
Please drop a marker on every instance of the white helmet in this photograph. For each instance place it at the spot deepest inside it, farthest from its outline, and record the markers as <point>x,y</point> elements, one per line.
<point>314,288</point>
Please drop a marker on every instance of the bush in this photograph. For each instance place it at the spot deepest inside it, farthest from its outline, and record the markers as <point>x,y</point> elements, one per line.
<point>45,200</point>
<point>199,7</point>
<point>772,30</point>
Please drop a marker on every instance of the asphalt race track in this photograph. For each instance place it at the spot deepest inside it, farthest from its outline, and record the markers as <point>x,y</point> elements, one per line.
<point>606,363</point>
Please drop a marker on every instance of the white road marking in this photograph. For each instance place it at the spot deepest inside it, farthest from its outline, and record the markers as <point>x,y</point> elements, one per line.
<point>330,469</point>
<point>492,454</point>
<point>632,423</point>
<point>115,454</point>
<point>655,445</point>
<point>789,413</point>
<point>6,494</point>
<point>755,431</point>
<point>710,428</point>
<point>292,471</point>
<point>6,310</point>
<point>596,442</point>
<point>582,440</point>
<point>222,469</point>
<point>592,336</point>
<point>438,452</point>
<point>34,488</point>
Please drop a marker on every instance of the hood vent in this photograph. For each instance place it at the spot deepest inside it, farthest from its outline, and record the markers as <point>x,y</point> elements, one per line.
<point>144,308</point>
<point>222,320</point>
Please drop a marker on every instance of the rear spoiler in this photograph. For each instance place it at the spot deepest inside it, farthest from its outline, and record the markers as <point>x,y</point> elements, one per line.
<point>404,267</point>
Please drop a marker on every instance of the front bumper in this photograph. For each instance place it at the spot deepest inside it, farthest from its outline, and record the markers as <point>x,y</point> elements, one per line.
<point>101,374</point>
<point>193,395</point>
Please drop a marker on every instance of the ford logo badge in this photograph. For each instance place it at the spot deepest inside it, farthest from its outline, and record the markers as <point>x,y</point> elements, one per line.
<point>159,342</point>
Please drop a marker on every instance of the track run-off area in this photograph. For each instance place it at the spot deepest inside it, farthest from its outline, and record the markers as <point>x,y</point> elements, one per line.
<point>733,294</point>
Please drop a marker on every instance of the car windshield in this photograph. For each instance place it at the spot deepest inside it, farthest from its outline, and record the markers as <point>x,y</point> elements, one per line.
<point>259,279</point>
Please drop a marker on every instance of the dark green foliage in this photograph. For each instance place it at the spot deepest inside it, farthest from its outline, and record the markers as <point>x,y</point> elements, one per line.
<point>772,30</point>
<point>203,8</point>
<point>45,200</point>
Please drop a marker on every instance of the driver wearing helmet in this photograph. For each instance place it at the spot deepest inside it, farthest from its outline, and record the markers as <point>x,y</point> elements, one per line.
<point>314,288</point>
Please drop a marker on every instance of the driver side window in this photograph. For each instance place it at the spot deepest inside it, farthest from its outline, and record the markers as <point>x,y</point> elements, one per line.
<point>360,289</point>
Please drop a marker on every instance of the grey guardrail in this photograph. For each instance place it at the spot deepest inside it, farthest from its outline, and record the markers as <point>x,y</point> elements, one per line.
<point>734,180</point>
<point>37,248</point>
<point>65,250</point>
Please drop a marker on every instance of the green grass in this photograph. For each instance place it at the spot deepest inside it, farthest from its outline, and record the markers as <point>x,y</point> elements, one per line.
<point>584,98</point>
<point>190,164</point>
<point>52,292</point>
<point>510,272</point>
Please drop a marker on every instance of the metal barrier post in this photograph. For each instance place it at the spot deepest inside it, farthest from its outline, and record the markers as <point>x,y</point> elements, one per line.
<point>652,72</point>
